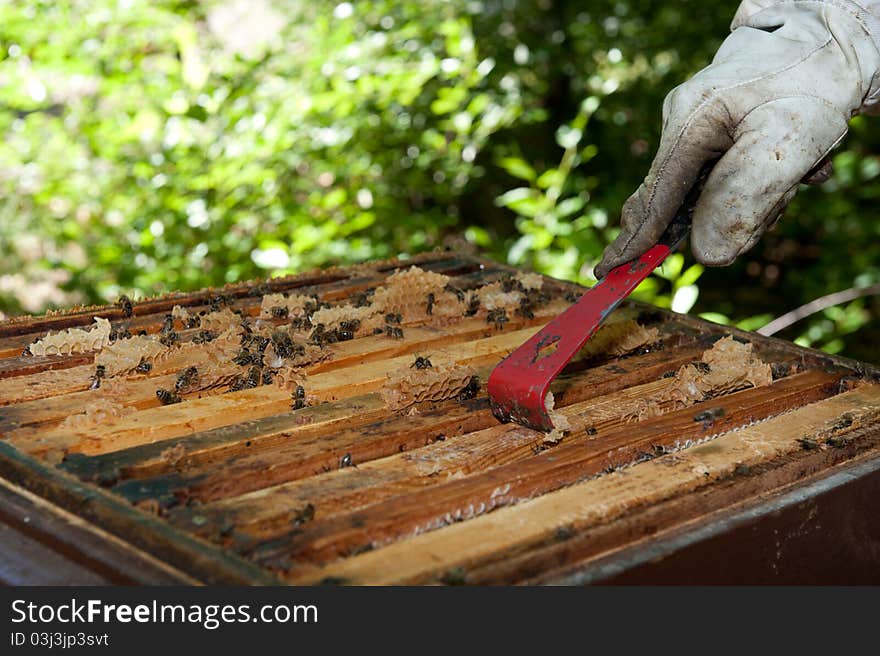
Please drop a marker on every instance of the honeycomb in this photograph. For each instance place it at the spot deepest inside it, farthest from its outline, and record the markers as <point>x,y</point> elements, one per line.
<point>406,387</point>
<point>530,281</point>
<point>406,292</point>
<point>291,373</point>
<point>100,412</point>
<point>560,422</point>
<point>213,372</point>
<point>620,337</point>
<point>124,355</point>
<point>369,317</point>
<point>727,367</point>
<point>180,313</point>
<point>74,340</point>
<point>295,304</point>
<point>287,377</point>
<point>220,320</point>
<point>493,297</point>
<point>221,349</point>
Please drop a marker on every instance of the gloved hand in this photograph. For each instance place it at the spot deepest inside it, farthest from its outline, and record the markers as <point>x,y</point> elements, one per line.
<point>775,100</point>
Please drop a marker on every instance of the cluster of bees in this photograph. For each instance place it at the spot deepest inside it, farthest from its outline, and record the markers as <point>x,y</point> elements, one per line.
<point>530,300</point>
<point>186,379</point>
<point>252,354</point>
<point>321,335</point>
<point>392,326</point>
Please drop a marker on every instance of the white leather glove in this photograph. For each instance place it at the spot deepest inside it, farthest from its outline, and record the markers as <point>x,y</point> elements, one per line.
<point>775,100</point>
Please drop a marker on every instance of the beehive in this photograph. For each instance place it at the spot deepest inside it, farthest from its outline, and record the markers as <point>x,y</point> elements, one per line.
<point>353,462</point>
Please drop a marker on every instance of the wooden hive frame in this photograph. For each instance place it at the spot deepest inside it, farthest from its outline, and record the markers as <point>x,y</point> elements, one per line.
<point>240,488</point>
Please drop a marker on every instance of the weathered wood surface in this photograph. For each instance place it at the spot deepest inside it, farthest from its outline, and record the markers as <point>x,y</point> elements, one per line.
<point>41,544</point>
<point>238,486</point>
<point>573,510</point>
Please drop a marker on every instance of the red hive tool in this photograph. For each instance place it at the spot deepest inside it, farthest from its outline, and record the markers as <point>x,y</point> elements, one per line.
<point>519,384</point>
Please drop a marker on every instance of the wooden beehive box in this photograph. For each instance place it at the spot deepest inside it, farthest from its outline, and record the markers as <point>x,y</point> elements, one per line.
<point>379,468</point>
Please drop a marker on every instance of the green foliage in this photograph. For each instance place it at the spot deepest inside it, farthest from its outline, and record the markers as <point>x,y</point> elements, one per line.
<point>152,146</point>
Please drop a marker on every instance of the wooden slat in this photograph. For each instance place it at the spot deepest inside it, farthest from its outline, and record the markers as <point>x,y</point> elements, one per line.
<point>569,557</point>
<point>293,438</point>
<point>263,482</point>
<point>200,560</point>
<point>332,420</point>
<point>478,481</point>
<point>440,262</point>
<point>149,314</point>
<point>51,546</point>
<point>428,486</point>
<point>160,423</point>
<point>139,390</point>
<point>510,530</point>
<point>367,440</point>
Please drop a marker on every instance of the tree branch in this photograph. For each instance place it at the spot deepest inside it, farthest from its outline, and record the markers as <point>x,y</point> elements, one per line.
<point>817,305</point>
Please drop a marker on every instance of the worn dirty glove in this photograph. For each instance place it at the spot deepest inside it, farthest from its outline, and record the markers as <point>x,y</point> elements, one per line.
<point>775,100</point>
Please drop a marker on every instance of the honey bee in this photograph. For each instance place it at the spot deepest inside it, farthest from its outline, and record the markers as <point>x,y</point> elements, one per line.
<point>393,317</point>
<point>307,514</point>
<point>100,372</point>
<point>362,299</point>
<point>204,336</point>
<point>167,325</point>
<point>186,379</point>
<point>282,344</point>
<point>299,398</point>
<point>459,294</point>
<point>498,317</point>
<point>421,363</point>
<point>166,397</point>
<point>429,308</point>
<point>143,367</point>
<point>301,323</point>
<point>220,299</point>
<point>170,339</point>
<point>345,461</point>
<point>125,303</point>
<point>312,306</point>
<point>509,284</point>
<point>321,336</point>
<point>394,332</point>
<point>473,306</point>
<point>470,390</point>
<point>249,381</point>
<point>352,325</point>
<point>525,307</point>
<point>710,415</point>
<point>243,358</point>
<point>120,333</point>
<point>344,335</point>
<point>279,311</point>
<point>193,322</point>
